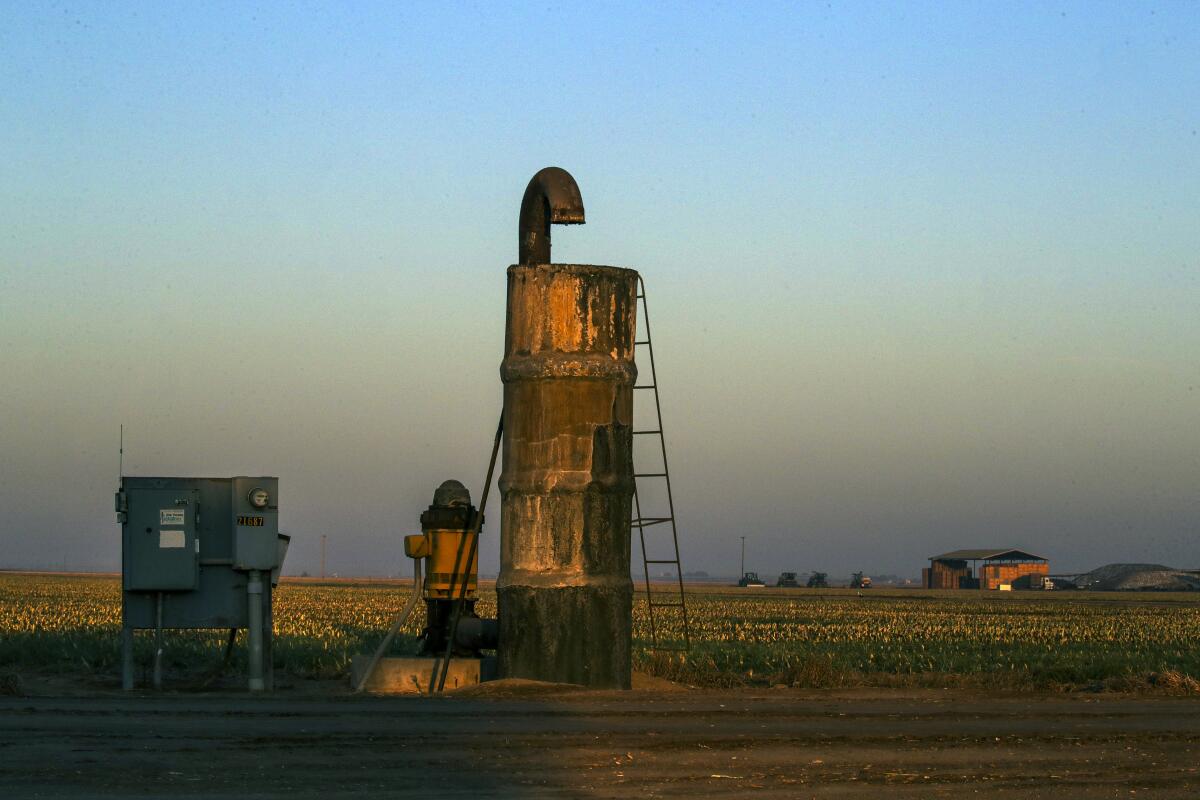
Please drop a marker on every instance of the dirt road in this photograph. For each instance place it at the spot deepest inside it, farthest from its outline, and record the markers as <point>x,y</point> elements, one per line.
<point>783,743</point>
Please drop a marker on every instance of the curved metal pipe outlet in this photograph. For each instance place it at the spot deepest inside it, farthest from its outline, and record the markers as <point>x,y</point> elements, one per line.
<point>552,197</point>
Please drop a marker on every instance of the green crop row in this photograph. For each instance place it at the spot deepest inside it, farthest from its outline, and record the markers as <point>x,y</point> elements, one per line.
<point>793,637</point>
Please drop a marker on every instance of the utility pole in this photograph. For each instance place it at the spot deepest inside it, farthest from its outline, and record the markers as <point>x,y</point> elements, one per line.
<point>743,571</point>
<point>322,555</point>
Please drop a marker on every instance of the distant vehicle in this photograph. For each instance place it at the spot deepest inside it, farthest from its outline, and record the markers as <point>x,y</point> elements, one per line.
<point>751,579</point>
<point>787,579</point>
<point>859,581</point>
<point>817,580</point>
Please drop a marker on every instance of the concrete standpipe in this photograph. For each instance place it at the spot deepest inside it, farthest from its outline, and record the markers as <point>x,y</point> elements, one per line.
<point>564,589</point>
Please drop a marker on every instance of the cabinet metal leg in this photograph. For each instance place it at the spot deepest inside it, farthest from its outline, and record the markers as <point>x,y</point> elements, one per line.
<point>126,657</point>
<point>158,640</point>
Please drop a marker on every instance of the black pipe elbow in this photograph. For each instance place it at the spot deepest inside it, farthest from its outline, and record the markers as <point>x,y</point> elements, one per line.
<point>552,197</point>
<point>477,634</point>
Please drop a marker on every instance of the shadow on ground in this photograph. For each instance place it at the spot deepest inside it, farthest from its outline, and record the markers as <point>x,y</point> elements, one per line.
<point>317,741</point>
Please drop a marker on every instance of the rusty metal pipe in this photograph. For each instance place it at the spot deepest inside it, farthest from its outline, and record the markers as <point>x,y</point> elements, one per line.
<point>552,197</point>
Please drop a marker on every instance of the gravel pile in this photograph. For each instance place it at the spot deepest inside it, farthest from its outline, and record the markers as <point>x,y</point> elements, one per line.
<point>1139,578</point>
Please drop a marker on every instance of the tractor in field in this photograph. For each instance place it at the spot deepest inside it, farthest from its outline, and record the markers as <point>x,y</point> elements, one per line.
<point>750,579</point>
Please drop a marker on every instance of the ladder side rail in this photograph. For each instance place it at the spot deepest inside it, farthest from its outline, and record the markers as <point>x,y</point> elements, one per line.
<point>662,439</point>
<point>637,505</point>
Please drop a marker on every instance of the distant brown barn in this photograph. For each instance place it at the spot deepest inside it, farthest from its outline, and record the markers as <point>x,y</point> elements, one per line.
<point>983,569</point>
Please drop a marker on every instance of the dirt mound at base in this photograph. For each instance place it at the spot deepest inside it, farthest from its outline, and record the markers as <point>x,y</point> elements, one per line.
<point>522,687</point>
<point>516,687</point>
<point>645,682</point>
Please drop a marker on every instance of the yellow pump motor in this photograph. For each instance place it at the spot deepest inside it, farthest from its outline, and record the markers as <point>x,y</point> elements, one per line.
<point>451,559</point>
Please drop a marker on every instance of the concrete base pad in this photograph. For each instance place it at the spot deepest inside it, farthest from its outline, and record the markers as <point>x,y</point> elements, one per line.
<point>412,675</point>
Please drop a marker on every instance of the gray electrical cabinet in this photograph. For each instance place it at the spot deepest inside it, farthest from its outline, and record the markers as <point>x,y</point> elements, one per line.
<point>200,553</point>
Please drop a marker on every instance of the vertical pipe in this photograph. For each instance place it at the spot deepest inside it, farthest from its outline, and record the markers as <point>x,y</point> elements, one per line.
<point>469,571</point>
<point>254,590</point>
<point>397,623</point>
<point>158,645</point>
<point>268,637</point>
<point>564,591</point>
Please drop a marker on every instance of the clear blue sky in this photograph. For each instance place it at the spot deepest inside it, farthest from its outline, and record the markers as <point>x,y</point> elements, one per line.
<point>922,277</point>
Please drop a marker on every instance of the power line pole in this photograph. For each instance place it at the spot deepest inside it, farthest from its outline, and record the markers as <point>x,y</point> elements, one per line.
<point>743,572</point>
<point>322,555</point>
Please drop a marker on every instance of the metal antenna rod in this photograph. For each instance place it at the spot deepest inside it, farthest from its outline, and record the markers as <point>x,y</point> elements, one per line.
<point>473,537</point>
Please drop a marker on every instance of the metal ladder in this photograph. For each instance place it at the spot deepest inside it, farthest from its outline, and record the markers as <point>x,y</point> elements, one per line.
<point>641,522</point>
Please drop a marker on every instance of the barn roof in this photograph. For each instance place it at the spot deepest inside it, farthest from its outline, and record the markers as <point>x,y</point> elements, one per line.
<point>987,555</point>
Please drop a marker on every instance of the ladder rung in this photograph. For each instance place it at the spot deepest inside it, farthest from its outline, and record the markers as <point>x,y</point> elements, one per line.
<point>662,561</point>
<point>665,605</point>
<point>639,433</point>
<point>643,341</point>
<point>647,386</point>
<point>650,475</point>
